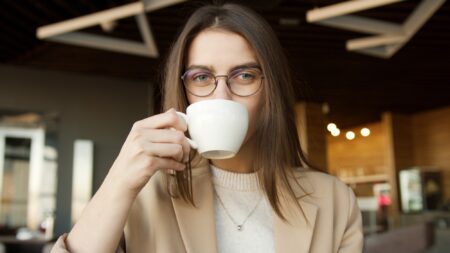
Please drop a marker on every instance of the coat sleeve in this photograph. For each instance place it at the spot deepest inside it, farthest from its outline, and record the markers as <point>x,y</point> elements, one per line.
<point>61,247</point>
<point>353,239</point>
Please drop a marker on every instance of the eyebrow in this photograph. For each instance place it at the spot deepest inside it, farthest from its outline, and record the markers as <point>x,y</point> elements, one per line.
<point>241,66</point>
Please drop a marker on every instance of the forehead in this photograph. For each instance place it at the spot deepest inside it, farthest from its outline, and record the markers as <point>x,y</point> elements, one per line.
<point>220,50</point>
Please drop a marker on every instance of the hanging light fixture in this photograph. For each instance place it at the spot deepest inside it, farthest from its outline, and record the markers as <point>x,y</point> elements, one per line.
<point>331,127</point>
<point>68,31</point>
<point>386,37</point>
<point>350,135</point>
<point>365,132</point>
<point>335,132</point>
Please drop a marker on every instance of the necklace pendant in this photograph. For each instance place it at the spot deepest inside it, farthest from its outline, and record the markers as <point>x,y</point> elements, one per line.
<point>239,227</point>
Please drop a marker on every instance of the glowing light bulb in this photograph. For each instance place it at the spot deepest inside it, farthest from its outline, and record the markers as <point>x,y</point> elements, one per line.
<point>365,132</point>
<point>331,127</point>
<point>335,132</point>
<point>350,135</point>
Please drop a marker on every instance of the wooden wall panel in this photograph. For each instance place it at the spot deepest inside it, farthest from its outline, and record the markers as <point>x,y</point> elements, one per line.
<point>310,123</point>
<point>431,136</point>
<point>349,156</point>
<point>398,142</point>
<point>399,155</point>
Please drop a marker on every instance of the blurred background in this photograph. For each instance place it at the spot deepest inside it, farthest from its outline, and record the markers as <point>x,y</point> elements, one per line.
<point>373,105</point>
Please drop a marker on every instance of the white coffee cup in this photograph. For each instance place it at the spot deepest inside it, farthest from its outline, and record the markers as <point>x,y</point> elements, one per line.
<point>217,127</point>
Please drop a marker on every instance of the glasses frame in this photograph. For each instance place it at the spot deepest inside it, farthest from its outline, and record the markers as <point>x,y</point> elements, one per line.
<point>216,81</point>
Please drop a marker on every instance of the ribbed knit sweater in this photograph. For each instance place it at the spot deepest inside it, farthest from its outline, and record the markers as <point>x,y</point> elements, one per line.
<point>236,196</point>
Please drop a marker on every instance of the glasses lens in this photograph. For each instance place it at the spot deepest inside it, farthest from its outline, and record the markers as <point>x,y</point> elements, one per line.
<point>246,82</point>
<point>199,82</point>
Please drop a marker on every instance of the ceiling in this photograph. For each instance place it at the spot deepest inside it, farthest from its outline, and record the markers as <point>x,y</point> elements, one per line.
<point>356,87</point>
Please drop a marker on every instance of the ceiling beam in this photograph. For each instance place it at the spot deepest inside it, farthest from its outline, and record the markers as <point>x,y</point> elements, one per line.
<point>104,43</point>
<point>85,21</point>
<point>421,15</point>
<point>93,19</point>
<point>65,31</point>
<point>344,8</point>
<point>389,37</point>
<point>374,41</point>
<point>146,33</point>
<point>361,24</point>
<point>415,21</point>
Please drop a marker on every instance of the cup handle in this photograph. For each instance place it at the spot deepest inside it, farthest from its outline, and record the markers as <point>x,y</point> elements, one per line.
<point>192,143</point>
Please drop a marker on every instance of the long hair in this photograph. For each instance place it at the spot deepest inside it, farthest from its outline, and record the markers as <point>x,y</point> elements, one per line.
<point>278,150</point>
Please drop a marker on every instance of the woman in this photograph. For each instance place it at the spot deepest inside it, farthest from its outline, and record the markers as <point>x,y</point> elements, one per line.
<point>264,199</point>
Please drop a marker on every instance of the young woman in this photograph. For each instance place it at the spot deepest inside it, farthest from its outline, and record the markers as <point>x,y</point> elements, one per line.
<point>159,198</point>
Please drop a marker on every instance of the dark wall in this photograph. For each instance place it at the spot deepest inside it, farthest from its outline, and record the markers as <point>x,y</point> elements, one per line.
<point>89,107</point>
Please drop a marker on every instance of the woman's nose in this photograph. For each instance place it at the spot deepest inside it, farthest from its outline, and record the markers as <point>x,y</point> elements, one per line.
<point>222,90</point>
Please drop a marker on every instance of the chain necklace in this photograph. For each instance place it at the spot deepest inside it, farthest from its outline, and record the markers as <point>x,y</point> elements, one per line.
<point>239,227</point>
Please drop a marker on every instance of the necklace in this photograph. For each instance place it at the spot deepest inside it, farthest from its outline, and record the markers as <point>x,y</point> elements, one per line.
<point>239,227</point>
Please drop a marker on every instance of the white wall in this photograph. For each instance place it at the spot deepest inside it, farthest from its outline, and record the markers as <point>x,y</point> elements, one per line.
<point>90,107</point>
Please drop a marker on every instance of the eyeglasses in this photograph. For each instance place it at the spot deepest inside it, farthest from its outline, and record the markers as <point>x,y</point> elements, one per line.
<point>242,82</point>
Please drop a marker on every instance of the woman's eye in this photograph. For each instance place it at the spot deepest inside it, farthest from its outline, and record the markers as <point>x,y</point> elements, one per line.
<point>246,76</point>
<point>201,78</point>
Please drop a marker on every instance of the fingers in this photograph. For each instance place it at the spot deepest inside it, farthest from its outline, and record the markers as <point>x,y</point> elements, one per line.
<point>169,119</point>
<point>161,138</point>
<point>158,163</point>
<point>166,150</point>
<point>170,136</point>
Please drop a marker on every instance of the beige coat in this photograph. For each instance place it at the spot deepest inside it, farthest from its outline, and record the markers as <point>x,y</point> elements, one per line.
<point>158,223</point>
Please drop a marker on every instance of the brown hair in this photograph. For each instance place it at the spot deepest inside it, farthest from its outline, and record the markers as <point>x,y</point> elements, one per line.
<point>278,150</point>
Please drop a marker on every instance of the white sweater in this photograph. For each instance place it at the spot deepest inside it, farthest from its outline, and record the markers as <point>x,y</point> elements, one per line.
<point>240,193</point>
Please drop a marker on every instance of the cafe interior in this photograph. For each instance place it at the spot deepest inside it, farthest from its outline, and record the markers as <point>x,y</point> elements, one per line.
<point>372,82</point>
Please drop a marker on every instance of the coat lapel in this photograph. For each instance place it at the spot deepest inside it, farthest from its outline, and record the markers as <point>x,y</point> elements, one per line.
<point>197,224</point>
<point>295,234</point>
